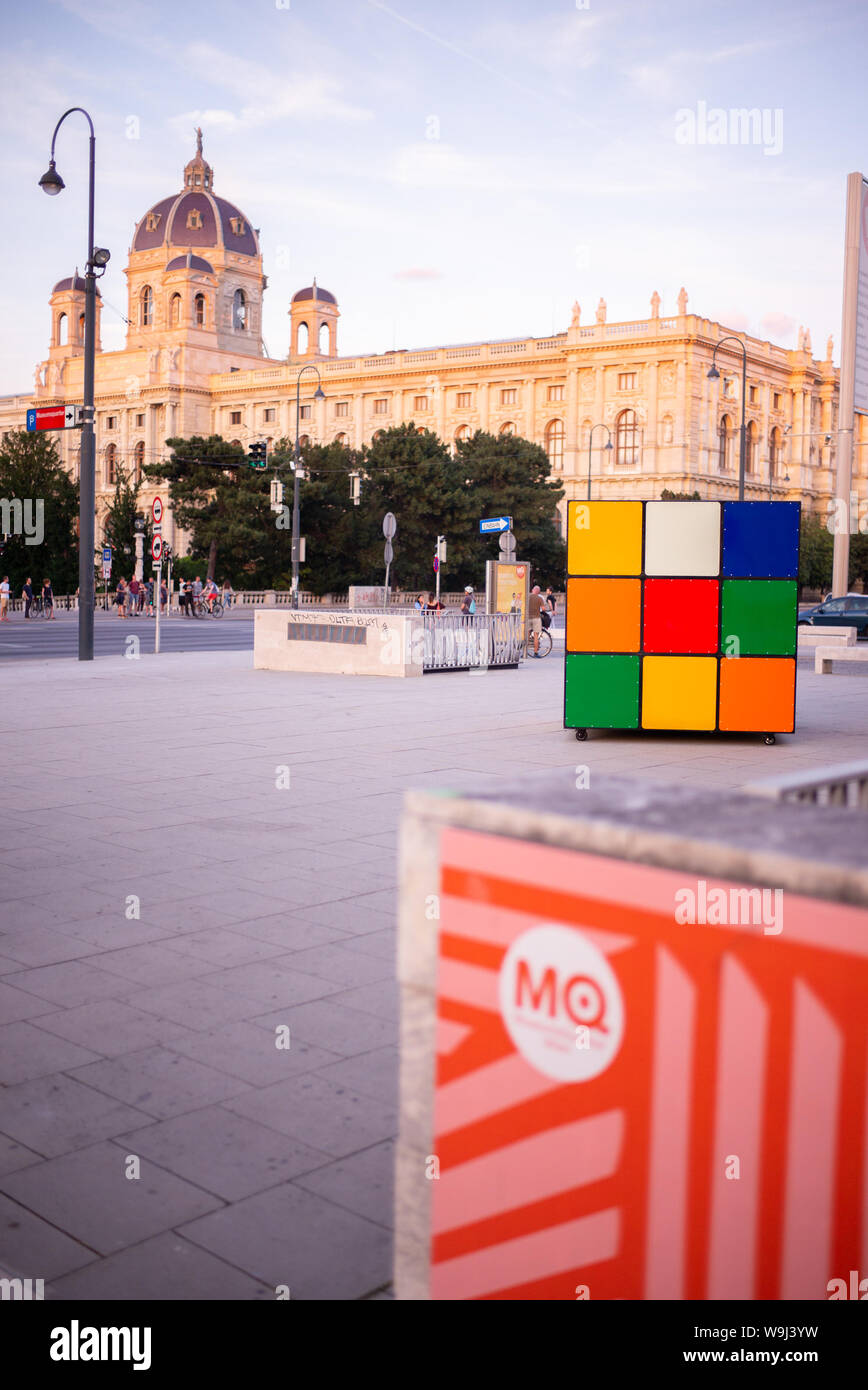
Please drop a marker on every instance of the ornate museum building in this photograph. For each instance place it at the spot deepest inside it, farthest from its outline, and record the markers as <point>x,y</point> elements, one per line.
<point>194,363</point>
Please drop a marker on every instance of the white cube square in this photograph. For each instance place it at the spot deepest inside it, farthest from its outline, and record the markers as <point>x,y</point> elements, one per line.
<point>682,538</point>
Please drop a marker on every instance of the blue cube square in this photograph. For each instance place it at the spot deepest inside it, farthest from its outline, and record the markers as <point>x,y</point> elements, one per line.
<point>761,540</point>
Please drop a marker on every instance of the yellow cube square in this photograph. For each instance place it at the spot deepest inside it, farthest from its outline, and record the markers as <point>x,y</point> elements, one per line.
<point>604,538</point>
<point>679,692</point>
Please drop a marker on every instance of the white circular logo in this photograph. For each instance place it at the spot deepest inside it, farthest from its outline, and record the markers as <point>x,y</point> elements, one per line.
<point>561,1003</point>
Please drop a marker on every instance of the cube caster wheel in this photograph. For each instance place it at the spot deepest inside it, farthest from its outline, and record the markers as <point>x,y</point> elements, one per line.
<point>581,735</point>
<point>769,739</point>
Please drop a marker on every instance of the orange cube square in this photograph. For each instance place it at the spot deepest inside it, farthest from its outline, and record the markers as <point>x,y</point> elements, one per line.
<point>603,615</point>
<point>757,694</point>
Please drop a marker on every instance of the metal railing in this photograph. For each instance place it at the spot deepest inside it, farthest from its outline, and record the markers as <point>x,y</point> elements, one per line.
<point>844,784</point>
<point>459,642</point>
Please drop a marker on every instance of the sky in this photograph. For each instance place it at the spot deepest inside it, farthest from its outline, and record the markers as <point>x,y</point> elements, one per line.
<point>452,172</point>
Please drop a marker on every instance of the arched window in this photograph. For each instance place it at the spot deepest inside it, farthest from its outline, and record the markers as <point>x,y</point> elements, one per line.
<point>555,443</point>
<point>463,432</point>
<point>239,311</point>
<point>301,339</point>
<point>236,443</point>
<point>81,328</point>
<point>774,451</point>
<point>175,311</point>
<point>62,330</point>
<point>724,434</point>
<point>378,434</point>
<point>111,465</point>
<point>750,447</point>
<point>324,338</point>
<point>303,441</point>
<point>342,440</point>
<point>146,300</point>
<point>627,438</point>
<point>199,306</point>
<point>138,460</point>
<point>508,428</point>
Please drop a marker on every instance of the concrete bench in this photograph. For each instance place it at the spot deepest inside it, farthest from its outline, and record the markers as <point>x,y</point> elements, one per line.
<point>824,656</point>
<point>844,636</point>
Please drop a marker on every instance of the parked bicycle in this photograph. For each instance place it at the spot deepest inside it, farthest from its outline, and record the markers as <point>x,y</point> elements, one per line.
<point>545,643</point>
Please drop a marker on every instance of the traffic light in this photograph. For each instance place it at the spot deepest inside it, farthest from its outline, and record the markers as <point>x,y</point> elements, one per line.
<point>258,455</point>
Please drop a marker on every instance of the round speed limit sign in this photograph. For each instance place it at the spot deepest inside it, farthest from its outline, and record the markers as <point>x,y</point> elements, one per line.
<point>157,510</point>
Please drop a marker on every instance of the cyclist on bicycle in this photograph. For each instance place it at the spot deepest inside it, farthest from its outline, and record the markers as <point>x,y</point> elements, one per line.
<point>210,592</point>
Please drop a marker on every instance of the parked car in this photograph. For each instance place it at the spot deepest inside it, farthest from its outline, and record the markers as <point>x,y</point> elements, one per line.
<point>851,610</point>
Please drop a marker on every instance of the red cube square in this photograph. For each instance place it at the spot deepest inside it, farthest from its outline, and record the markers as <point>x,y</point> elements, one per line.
<point>680,615</point>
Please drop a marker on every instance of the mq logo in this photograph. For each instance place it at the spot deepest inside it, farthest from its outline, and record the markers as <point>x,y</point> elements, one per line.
<point>561,1003</point>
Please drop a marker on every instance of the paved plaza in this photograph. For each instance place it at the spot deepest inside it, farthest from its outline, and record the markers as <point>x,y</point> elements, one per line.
<point>196,856</point>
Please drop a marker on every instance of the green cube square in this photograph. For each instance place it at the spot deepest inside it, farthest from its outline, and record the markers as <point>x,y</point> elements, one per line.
<point>602,692</point>
<point>758,617</point>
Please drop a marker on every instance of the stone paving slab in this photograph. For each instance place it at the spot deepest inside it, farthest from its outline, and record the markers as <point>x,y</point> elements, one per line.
<point>258,908</point>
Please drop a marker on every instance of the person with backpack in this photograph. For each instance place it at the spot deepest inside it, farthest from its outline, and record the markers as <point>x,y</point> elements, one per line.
<point>468,603</point>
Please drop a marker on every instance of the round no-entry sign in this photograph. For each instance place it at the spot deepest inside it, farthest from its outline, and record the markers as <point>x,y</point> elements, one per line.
<point>157,547</point>
<point>157,510</point>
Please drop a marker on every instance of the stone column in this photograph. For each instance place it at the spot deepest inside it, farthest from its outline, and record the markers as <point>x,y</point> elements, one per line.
<point>572,422</point>
<point>483,392</point>
<point>653,451</point>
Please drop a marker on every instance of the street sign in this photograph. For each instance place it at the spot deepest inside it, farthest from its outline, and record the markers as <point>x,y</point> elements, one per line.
<point>388,553</point>
<point>54,417</point>
<point>506,544</point>
<point>107,555</point>
<point>106,571</point>
<point>494,523</point>
<point>390,525</point>
<point>157,510</point>
<point>436,564</point>
<point>157,547</point>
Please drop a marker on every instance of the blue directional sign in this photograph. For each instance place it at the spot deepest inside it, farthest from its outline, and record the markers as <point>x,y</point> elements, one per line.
<point>106,554</point>
<point>494,523</point>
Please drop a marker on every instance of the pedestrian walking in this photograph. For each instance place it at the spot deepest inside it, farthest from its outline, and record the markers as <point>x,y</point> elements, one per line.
<point>197,588</point>
<point>228,594</point>
<point>164,595</point>
<point>149,597</point>
<point>121,598</point>
<point>48,600</point>
<point>4,599</point>
<point>133,596</point>
<point>468,603</point>
<point>27,595</point>
<point>189,600</point>
<point>536,606</point>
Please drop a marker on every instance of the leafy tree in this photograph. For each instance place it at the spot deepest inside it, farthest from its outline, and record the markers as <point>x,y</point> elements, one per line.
<point>226,511</point>
<point>815,553</point>
<point>31,470</point>
<point>667,496</point>
<point>333,527</point>
<point>120,525</point>
<point>410,472</point>
<point>510,476</point>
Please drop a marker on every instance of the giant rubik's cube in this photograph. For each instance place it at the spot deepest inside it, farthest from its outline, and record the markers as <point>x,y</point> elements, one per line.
<point>682,615</point>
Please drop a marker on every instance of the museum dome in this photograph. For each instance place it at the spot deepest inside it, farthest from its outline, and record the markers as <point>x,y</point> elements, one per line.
<point>195,217</point>
<point>190,262</point>
<point>313,292</point>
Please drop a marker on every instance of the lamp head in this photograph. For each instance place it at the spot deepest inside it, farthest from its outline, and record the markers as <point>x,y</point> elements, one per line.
<point>608,446</point>
<point>714,374</point>
<point>51,182</point>
<point>319,394</point>
<point>100,257</point>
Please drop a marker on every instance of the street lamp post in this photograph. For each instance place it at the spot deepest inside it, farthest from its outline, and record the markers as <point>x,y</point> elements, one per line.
<point>319,395</point>
<point>97,259</point>
<point>713,375</point>
<point>607,447</point>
